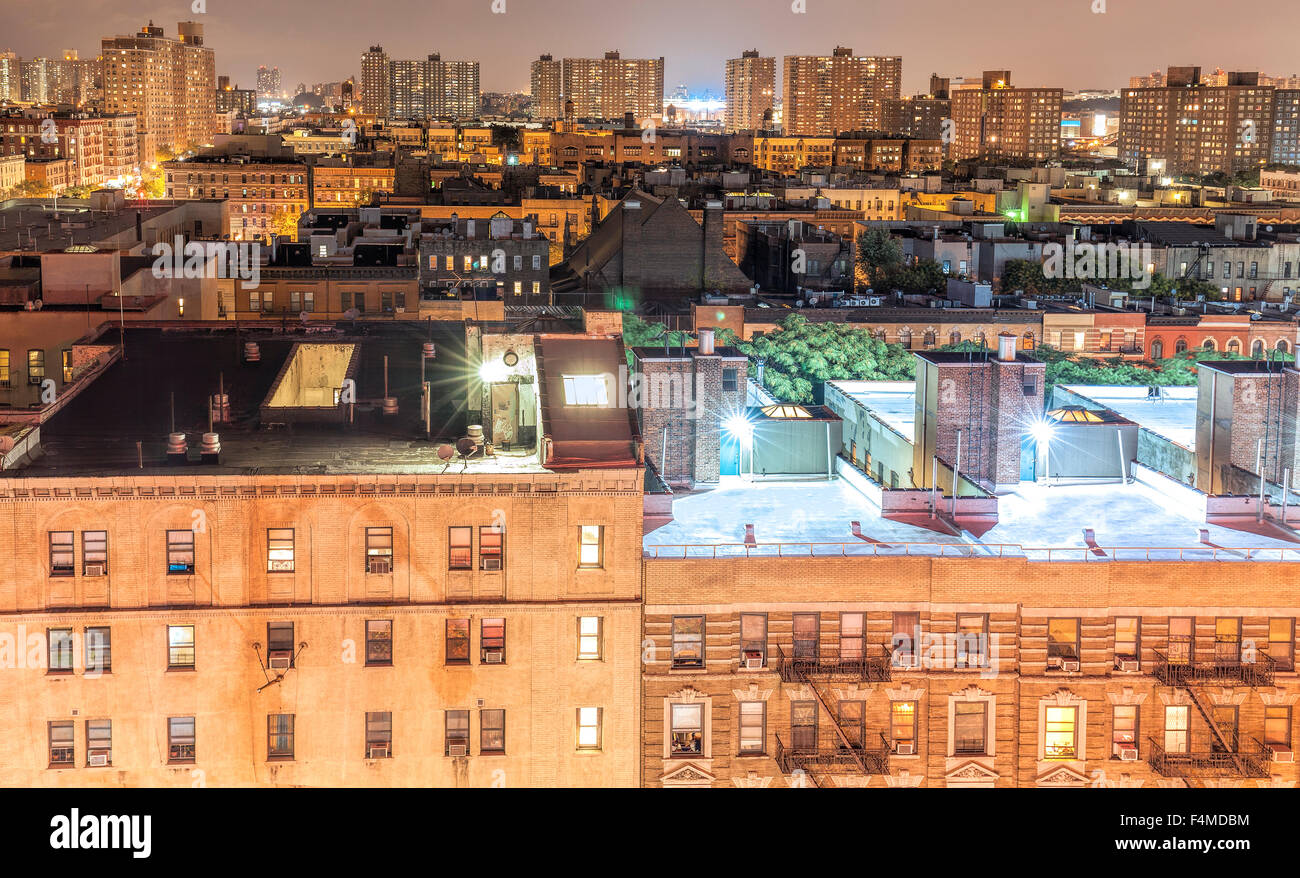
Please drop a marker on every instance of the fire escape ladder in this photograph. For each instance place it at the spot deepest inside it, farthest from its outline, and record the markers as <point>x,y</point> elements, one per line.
<point>1231,750</point>
<point>835,724</point>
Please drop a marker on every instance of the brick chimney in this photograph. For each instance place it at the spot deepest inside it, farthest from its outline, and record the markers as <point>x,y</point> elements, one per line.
<point>711,259</point>
<point>631,255</point>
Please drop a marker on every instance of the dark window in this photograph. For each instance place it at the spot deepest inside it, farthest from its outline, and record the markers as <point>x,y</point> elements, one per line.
<point>379,642</point>
<point>1182,639</point>
<point>379,735</point>
<point>63,560</point>
<point>1227,639</point>
<point>279,736</point>
<point>972,640</point>
<point>806,635</point>
<point>852,636</point>
<point>492,731</point>
<point>460,548</point>
<point>379,550</point>
<point>492,641</point>
<point>491,547</point>
<point>1124,727</point>
<point>279,644</point>
<point>457,733</point>
<point>1128,633</point>
<point>99,654</point>
<point>180,551</point>
<point>729,381</point>
<point>1277,726</point>
<point>803,725</point>
<point>688,642</point>
<point>60,644</point>
<point>180,739</point>
<point>458,641</point>
<point>969,727</point>
<point>853,720</point>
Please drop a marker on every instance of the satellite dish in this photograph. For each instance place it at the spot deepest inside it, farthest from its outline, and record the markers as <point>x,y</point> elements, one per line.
<point>465,446</point>
<point>510,358</point>
<point>446,452</point>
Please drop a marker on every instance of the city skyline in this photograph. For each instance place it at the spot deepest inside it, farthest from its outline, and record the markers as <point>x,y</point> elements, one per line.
<point>506,43</point>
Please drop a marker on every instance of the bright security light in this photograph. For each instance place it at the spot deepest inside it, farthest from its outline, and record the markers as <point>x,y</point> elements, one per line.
<point>493,371</point>
<point>739,427</point>
<point>1042,431</point>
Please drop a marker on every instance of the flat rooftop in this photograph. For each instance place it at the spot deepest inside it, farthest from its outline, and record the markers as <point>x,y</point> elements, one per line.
<point>893,401</point>
<point>1041,523</point>
<point>41,221</point>
<point>1172,414</point>
<point>96,434</point>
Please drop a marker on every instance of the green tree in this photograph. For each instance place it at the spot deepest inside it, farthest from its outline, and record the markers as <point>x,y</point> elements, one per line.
<point>879,255</point>
<point>801,355</point>
<point>638,333</point>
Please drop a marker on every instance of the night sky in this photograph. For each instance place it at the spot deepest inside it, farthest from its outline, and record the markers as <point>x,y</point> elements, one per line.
<point>1049,42</point>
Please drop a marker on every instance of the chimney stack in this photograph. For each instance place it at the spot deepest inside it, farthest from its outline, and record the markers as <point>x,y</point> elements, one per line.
<point>706,342</point>
<point>1006,347</point>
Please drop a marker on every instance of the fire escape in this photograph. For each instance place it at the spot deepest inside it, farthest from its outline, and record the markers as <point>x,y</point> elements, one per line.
<point>847,749</point>
<point>1228,755</point>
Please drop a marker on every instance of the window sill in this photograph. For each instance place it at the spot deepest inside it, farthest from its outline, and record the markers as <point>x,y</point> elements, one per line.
<point>492,753</point>
<point>58,672</point>
<point>181,761</point>
<point>752,754</point>
<point>61,766</point>
<point>378,664</point>
<point>181,669</point>
<point>279,759</point>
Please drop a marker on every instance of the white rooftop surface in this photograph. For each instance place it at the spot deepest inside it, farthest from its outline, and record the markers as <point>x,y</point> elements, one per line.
<point>1131,523</point>
<point>893,401</point>
<point>1173,415</point>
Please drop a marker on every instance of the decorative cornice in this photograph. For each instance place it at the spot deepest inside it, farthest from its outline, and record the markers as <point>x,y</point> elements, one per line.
<point>687,695</point>
<point>905,693</point>
<point>904,779</point>
<point>1126,696</point>
<point>753,693</point>
<point>1063,698</point>
<point>1278,697</point>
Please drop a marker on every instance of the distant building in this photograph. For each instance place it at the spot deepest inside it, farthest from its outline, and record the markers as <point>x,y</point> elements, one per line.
<point>1004,122</point>
<point>751,91</point>
<point>547,78</point>
<point>823,95</point>
<point>612,86</point>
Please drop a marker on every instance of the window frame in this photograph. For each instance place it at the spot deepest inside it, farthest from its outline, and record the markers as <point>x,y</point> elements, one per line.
<point>64,652</point>
<point>895,726</point>
<point>178,548</point>
<point>1136,654</point>
<point>1058,649</point>
<point>379,639</point>
<point>750,644</point>
<point>487,535</point>
<point>106,646</point>
<point>377,551</point>
<point>69,744</point>
<point>172,663</point>
<point>494,714</point>
<point>275,635</point>
<point>1117,731</point>
<point>177,741</point>
<point>448,658</point>
<point>454,547</point>
<point>673,729</point>
<point>488,642</point>
<point>94,550</point>
<point>379,732</point>
<point>274,731</point>
<point>584,543</point>
<point>275,543</point>
<point>805,647</point>
<point>962,638</point>
<point>589,655</point>
<point>681,642</point>
<point>598,726</point>
<point>447,739</point>
<point>104,732</point>
<point>957,715</point>
<point>1058,752</point>
<point>1287,663</point>
<point>1287,718</point>
<point>68,568</point>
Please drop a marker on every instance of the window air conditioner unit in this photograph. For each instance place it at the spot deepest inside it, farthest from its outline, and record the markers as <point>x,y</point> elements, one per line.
<point>381,565</point>
<point>1281,754</point>
<point>280,662</point>
<point>494,656</point>
<point>753,663</point>
<point>1126,754</point>
<point>94,570</point>
<point>905,661</point>
<point>457,749</point>
<point>98,757</point>
<point>1069,664</point>
<point>1128,664</point>
<point>491,563</point>
<point>906,748</point>
<point>378,752</point>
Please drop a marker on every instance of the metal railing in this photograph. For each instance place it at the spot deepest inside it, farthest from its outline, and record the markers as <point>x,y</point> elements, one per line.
<point>1252,762</point>
<point>1099,554</point>
<point>833,756</point>
<point>873,666</point>
<point>1222,670</point>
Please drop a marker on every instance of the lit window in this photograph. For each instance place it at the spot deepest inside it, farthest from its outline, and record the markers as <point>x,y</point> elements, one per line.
<point>687,729</point>
<point>585,390</point>
<point>1062,639</point>
<point>591,545</point>
<point>279,736</point>
<point>279,550</point>
<point>1127,632</point>
<point>1277,726</point>
<point>1281,642</point>
<point>1176,728</point>
<point>589,720</point>
<point>1059,742</point>
<point>688,642</point>
<point>589,637</point>
<point>180,646</point>
<point>902,725</point>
